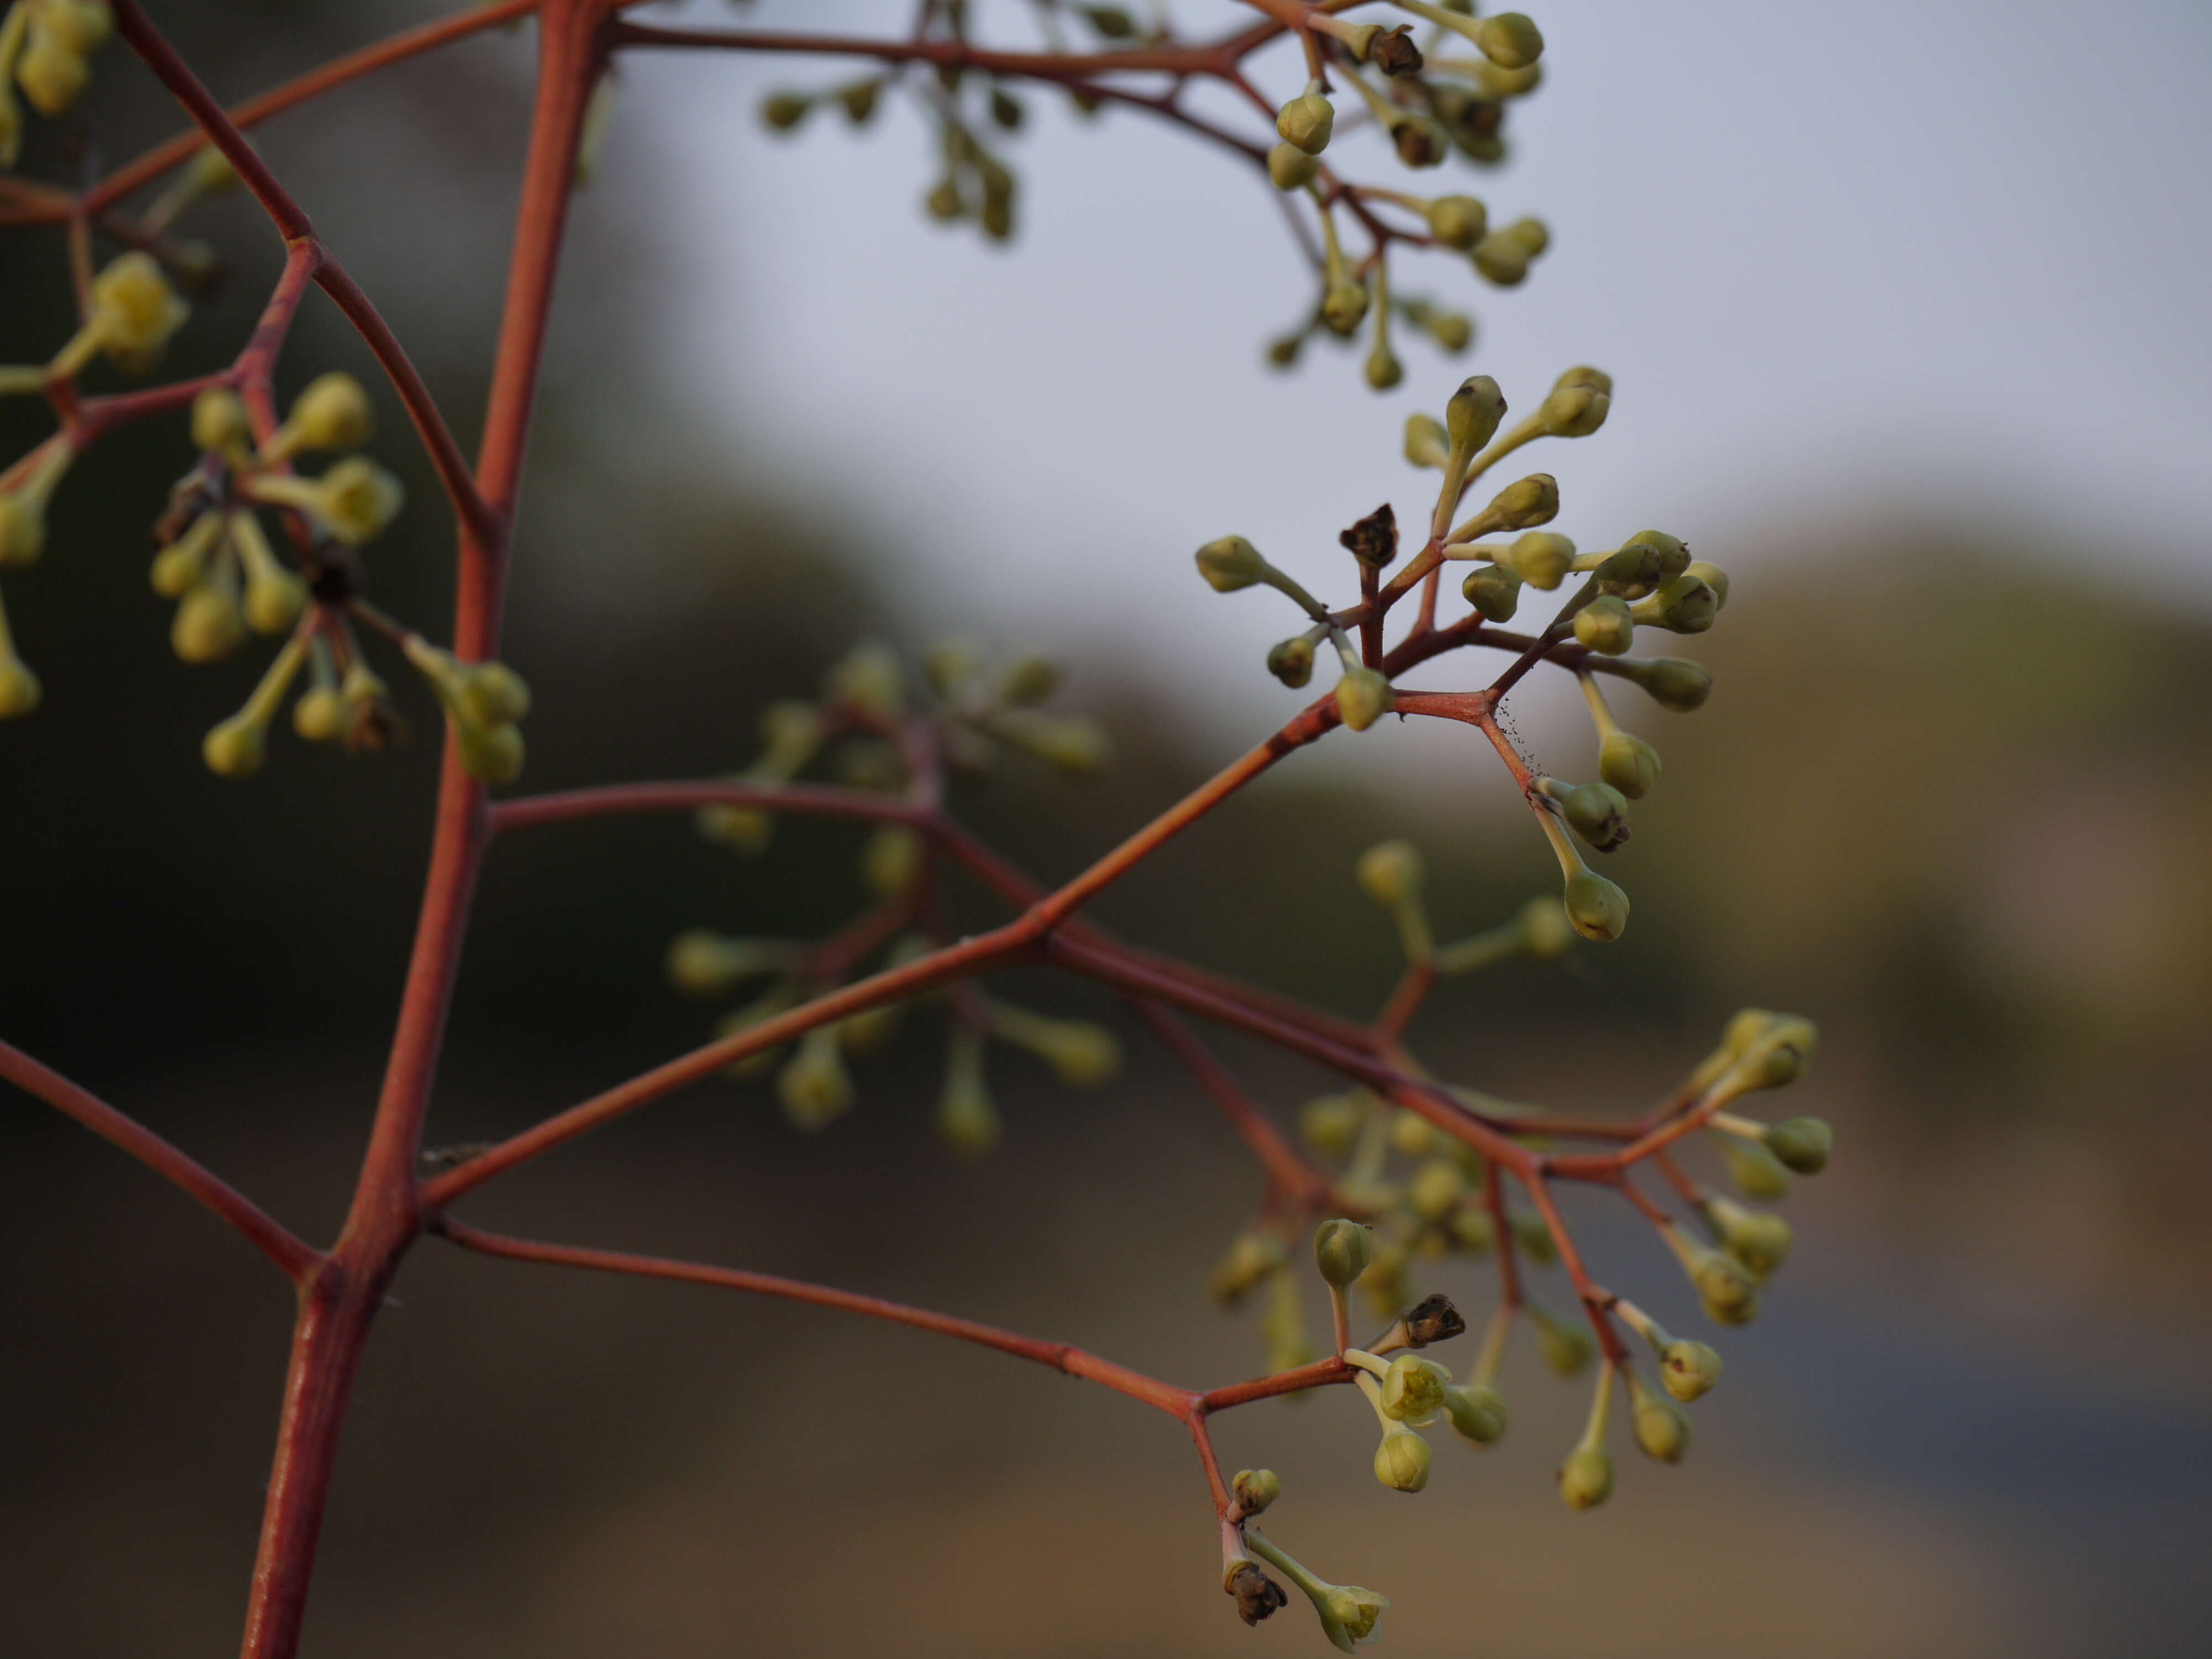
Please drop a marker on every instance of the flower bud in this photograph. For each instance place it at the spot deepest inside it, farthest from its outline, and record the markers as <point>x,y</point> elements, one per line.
<point>1662,1428</point>
<point>1628,764</point>
<point>1363,697</point>
<point>1633,565</point>
<point>20,690</point>
<point>1598,908</point>
<point>1254,1490</point>
<point>134,309</point>
<point>490,692</point>
<point>1389,872</point>
<point>52,74</point>
<point>1252,1259</point>
<point>1509,39</point>
<point>1070,743</point>
<point>1673,553</point>
<point>1413,1389</point>
<point>1342,1250</point>
<point>1344,307</point>
<point>1291,661</point>
<point>1330,1123</point>
<point>1307,120</point>
<point>220,421</point>
<point>1290,168</point>
<point>1401,1461</point>
<point>704,963</point>
<point>1501,259</point>
<point>489,753</point>
<point>356,498</point>
<point>1383,368</point>
<point>236,748</point>
<point>891,860</point>
<point>1727,1291</point>
<point>1802,1144</point>
<point>1586,1477</point>
<point>1472,1229</point>
<point>1688,1370</point>
<point>332,413</point>
<point>1532,236</point>
<point>1524,504</point>
<point>1577,404</point>
<point>1546,929</point>
<point>815,1087</point>
<point>1435,1189</point>
<point>1756,1171</point>
<point>1494,591</point>
<point>1605,626</point>
<point>1452,330</point>
<point>1681,604</point>
<point>784,111</point>
<point>1674,683</point>
<point>1477,1410</point>
<point>1757,1238</point>
<point>209,625</point>
<point>1457,222</point>
<point>1231,564</point>
<point>1598,813</point>
<point>1541,558</point>
<point>1713,577</point>
<point>1474,413</point>
<point>184,560</point>
<point>967,1118</point>
<point>1567,1349</point>
<point>1029,679</point>
<point>1111,22</point>
<point>1426,443</point>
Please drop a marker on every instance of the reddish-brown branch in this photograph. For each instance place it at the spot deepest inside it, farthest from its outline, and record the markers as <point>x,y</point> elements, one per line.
<point>1064,1357</point>
<point>1286,1167</point>
<point>297,1259</point>
<point>1593,1300</point>
<point>528,811</point>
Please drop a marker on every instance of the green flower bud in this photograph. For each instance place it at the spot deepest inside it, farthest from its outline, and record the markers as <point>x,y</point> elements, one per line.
<point>209,625</point>
<point>783,111</point>
<point>1291,661</point>
<point>1598,813</point>
<point>1662,1428</point>
<point>319,716</point>
<point>1682,605</point>
<point>220,421</point>
<point>1344,307</point>
<point>1567,1349</point>
<point>1474,413</point>
<point>1501,259</point>
<point>1586,1477</point>
<point>184,560</point>
<point>1413,1389</point>
<point>1688,1370</point>
<point>1435,1189</point>
<point>332,413</point>
<point>1598,908</point>
<point>1628,764</point>
<point>1726,1290</point>
<point>1457,222</point>
<point>1307,121</point>
<point>1578,404</point>
<point>944,203</point>
<point>1713,577</point>
<point>1756,1171</point>
<point>1524,504</point>
<point>1633,565</point>
<point>490,692</point>
<point>1673,553</point>
<point>1674,683</point>
<point>1802,1144</point>
<point>1426,443</point>
<point>1547,930</point>
<point>1472,1229</point>
<point>1255,1490</point>
<point>1083,1054</point>
<point>236,748</point>
<point>134,309</point>
<point>1452,330</point>
<point>1330,1123</point>
<point>1252,1259</point>
<point>1477,1410</point>
<point>1604,625</point>
<point>490,754</point>
<point>1383,368</point>
<point>1076,746</point>
<point>22,528</point>
<point>1363,697</point>
<point>704,963</point>
<point>1283,351</point>
<point>967,1118</point>
<point>1389,872</point>
<point>1111,22</point>
<point>1759,1240</point>
<point>1029,679</point>
<point>1231,564</point>
<point>1412,1136</point>
<point>815,1087</point>
<point>1401,1461</point>
<point>1532,235</point>
<point>1342,1250</point>
<point>1509,39</point>
<point>891,860</point>
<point>1494,591</point>
<point>1541,558</point>
<point>1290,168</point>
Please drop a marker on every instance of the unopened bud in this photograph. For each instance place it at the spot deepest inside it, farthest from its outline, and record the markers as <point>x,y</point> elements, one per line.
<point>1546,929</point>
<point>1598,908</point>
<point>1802,1144</point>
<point>1330,1123</point>
<point>815,1087</point>
<point>1291,661</point>
<point>1427,444</point>
<point>1254,1490</point>
<point>1383,368</point>
<point>1452,330</point>
<point>1674,683</point>
<point>220,421</point>
<point>1501,259</point>
<point>1363,697</point>
<point>1474,413</point>
<point>1509,39</point>
<point>1344,307</point>
<point>1290,168</point>
<point>1756,1171</point>
<point>1682,605</point>
<point>1477,1410</point>
<point>1541,558</point>
<point>783,111</point>
<point>1401,1461</point>
<point>1494,591</point>
<point>1524,504</point>
<point>1457,222</point>
<point>1231,564</point>
<point>703,963</point>
<point>1662,1428</point>
<point>1713,577</point>
<point>1628,764</point>
<point>1757,1238</point>
<point>1586,1477</point>
<point>1307,121</point>
<point>332,413</point>
<point>1342,1250</point>
<point>1389,872</point>
<point>1598,813</point>
<point>1605,626</point>
<point>1435,1189</point>
<point>1672,552</point>
<point>1688,1370</point>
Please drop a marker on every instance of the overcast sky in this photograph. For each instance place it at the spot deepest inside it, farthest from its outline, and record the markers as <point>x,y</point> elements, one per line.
<point>1946,254</point>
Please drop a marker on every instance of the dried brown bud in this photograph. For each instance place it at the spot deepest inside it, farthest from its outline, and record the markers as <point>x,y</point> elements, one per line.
<point>1393,51</point>
<point>1257,1594</point>
<point>1374,539</point>
<point>1434,1319</point>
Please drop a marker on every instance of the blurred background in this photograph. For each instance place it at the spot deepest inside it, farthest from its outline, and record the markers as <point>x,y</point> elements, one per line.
<point>1906,311</point>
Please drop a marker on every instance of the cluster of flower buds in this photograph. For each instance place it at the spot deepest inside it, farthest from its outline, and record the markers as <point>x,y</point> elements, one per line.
<point>45,49</point>
<point>862,731</point>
